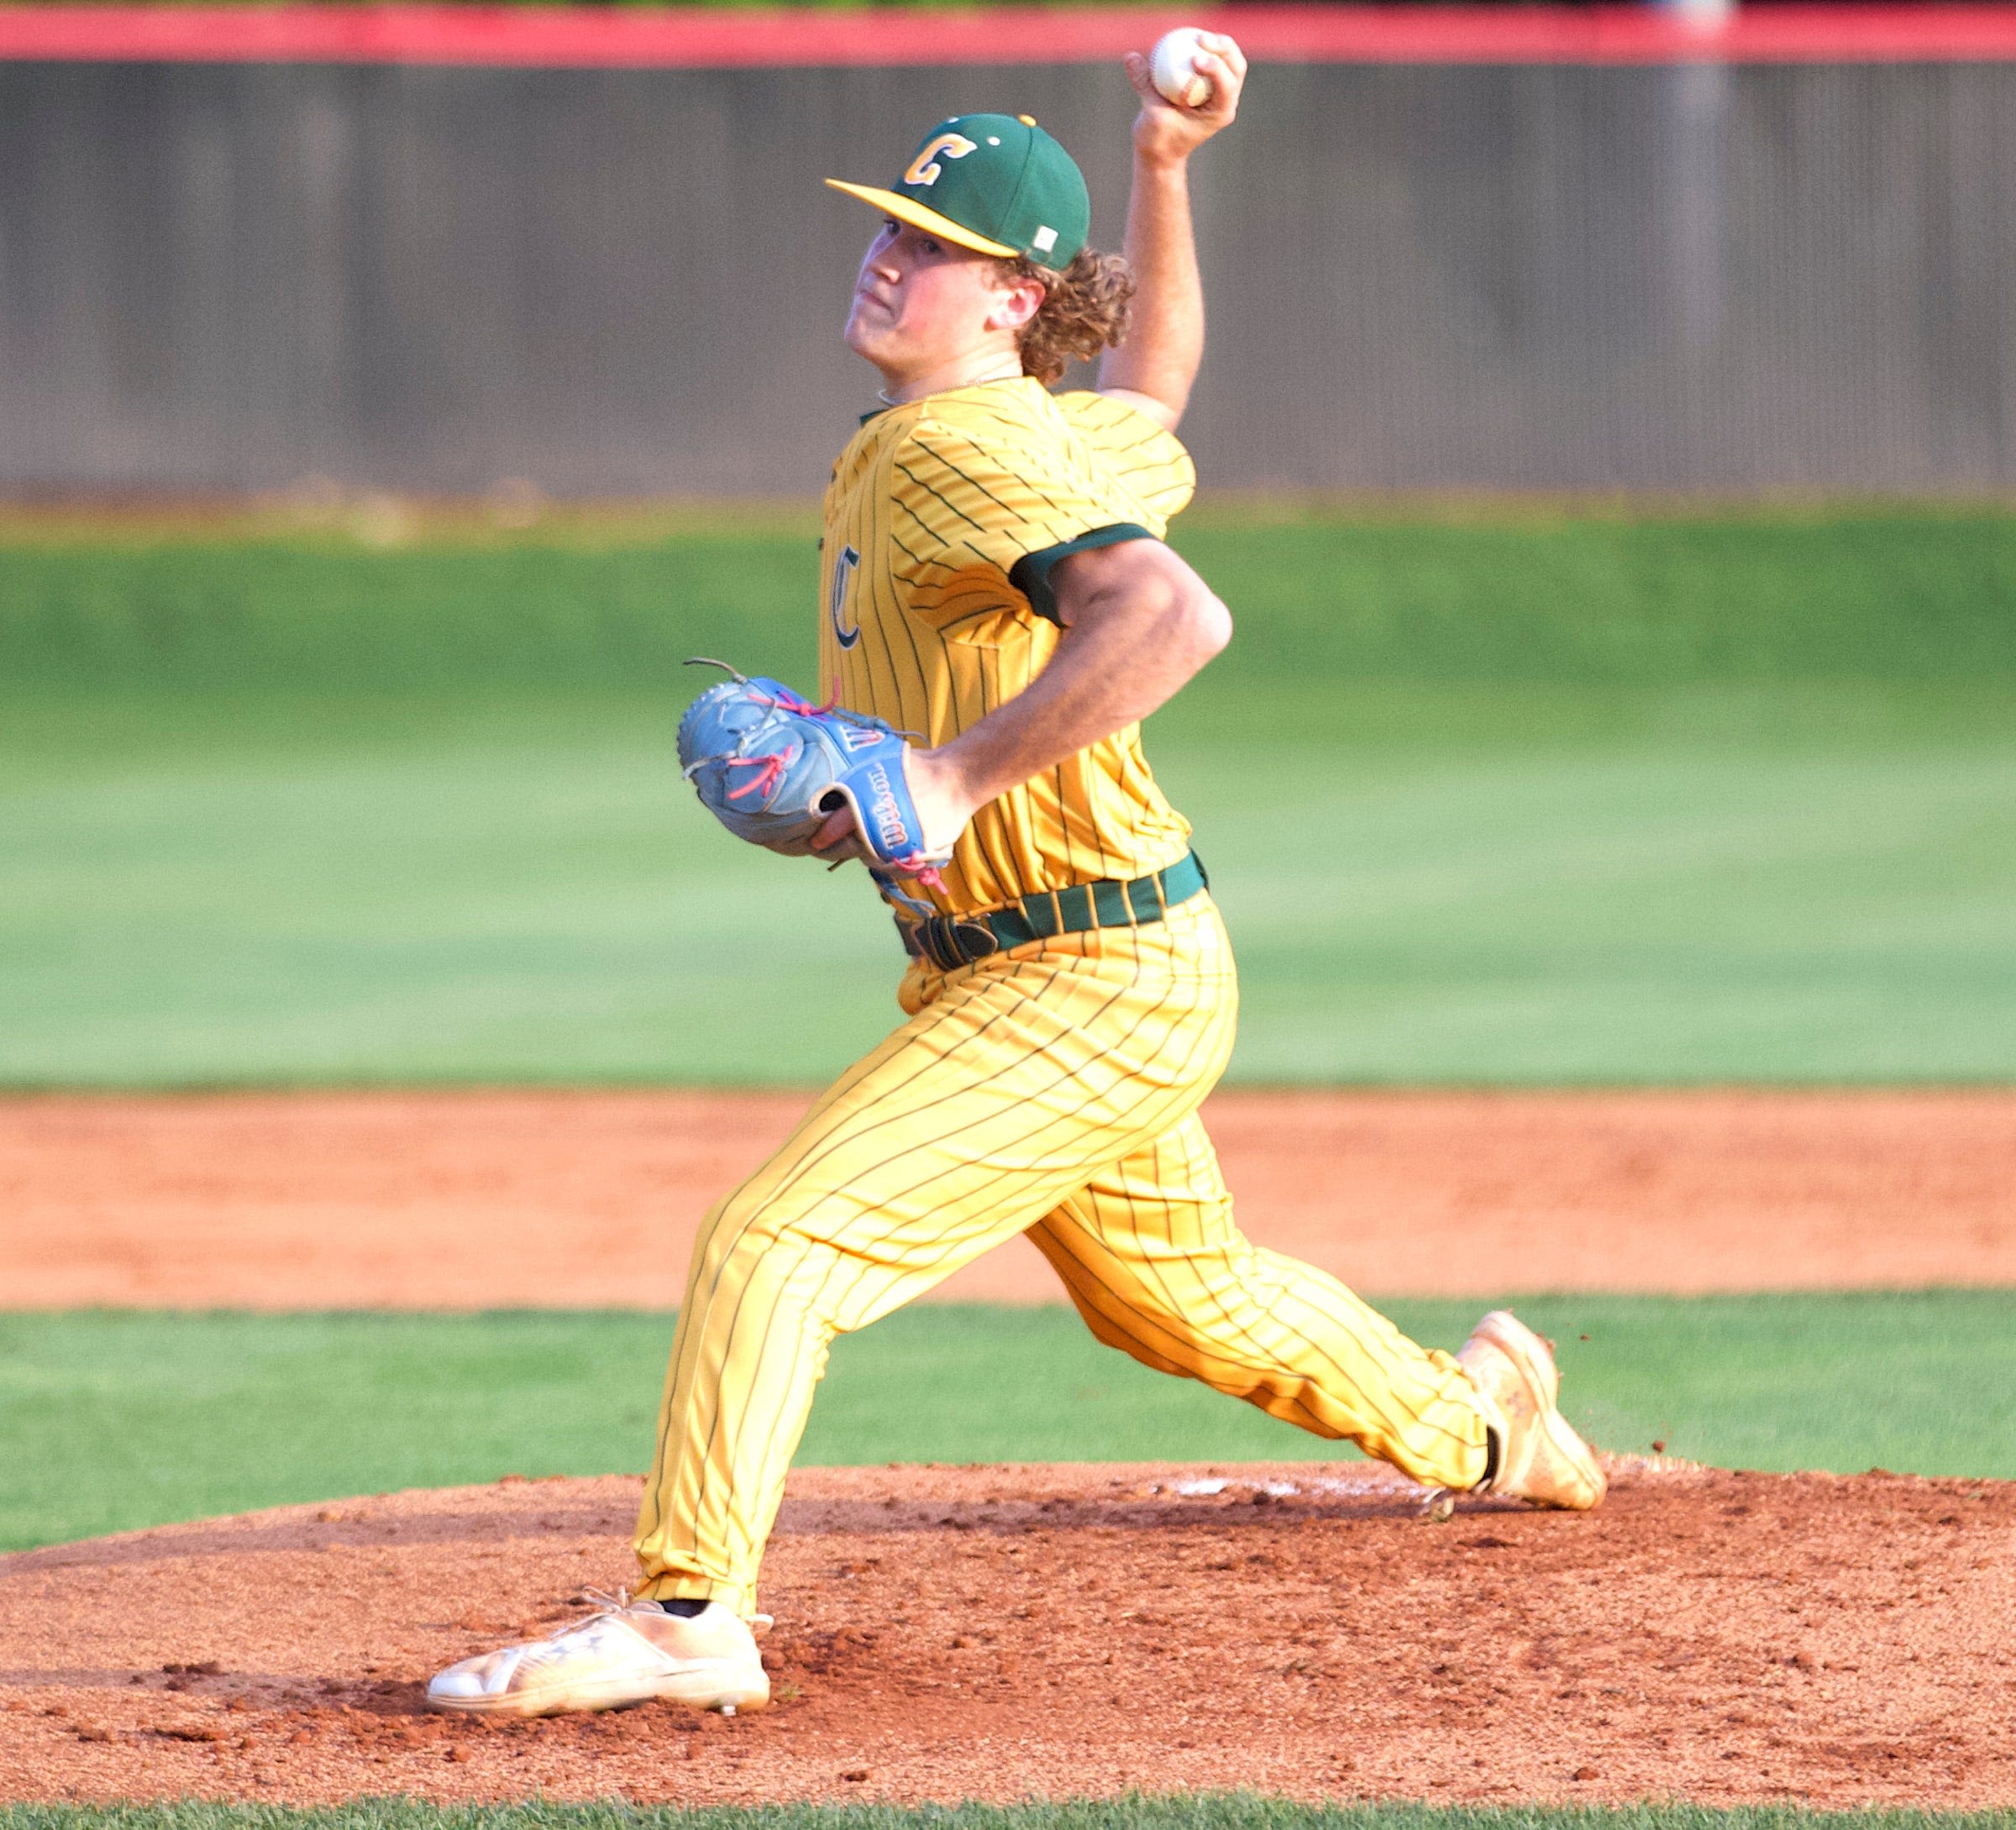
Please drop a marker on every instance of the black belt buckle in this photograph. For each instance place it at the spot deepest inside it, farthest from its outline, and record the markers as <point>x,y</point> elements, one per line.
<point>949,942</point>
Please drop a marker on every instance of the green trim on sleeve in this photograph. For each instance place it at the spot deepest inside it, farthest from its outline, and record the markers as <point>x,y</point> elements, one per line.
<point>1030,574</point>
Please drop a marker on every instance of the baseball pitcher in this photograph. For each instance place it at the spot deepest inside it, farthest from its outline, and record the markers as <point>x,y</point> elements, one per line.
<point>995,581</point>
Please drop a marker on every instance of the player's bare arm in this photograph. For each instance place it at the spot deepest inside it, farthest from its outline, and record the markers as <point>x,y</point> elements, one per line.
<point>1154,369</point>
<point>1139,624</point>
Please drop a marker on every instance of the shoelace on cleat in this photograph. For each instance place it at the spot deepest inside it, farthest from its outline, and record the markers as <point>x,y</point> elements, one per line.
<point>607,1606</point>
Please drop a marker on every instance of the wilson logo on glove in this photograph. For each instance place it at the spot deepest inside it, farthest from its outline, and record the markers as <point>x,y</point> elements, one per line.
<point>891,827</point>
<point>772,768</point>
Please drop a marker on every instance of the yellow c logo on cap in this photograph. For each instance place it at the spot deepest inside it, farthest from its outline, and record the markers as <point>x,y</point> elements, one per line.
<point>924,169</point>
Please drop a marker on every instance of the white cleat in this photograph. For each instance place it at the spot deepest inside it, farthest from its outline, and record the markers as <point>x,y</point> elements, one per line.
<point>628,1653</point>
<point>1541,1459</point>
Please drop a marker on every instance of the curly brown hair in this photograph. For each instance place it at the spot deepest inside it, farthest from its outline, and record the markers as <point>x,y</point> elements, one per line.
<point>1085,309</point>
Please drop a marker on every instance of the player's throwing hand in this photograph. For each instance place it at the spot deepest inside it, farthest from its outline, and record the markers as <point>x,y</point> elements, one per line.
<point>1163,129</point>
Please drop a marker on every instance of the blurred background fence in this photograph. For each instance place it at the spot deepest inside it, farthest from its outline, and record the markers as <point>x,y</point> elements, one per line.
<point>1712,275</point>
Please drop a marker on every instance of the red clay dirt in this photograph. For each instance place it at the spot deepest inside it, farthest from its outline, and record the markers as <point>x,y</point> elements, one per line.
<point>476,1200</point>
<point>1001,1632</point>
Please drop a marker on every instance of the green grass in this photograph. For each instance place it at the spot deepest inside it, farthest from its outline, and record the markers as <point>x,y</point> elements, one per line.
<point>363,892</point>
<point>1553,799</point>
<point>1898,594</point>
<point>1194,1811</point>
<point>113,1420</point>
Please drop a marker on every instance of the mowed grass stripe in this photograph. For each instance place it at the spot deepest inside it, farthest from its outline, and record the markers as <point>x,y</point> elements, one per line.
<point>1852,592</point>
<point>1197,1811</point>
<point>116,1420</point>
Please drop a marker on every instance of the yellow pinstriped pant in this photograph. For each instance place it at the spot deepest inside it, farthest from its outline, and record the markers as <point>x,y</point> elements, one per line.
<point>1053,1091</point>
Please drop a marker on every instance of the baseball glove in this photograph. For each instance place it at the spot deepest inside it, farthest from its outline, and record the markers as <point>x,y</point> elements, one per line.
<point>773,768</point>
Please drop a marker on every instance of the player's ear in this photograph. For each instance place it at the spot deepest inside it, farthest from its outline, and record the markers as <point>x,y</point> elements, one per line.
<point>1020,298</point>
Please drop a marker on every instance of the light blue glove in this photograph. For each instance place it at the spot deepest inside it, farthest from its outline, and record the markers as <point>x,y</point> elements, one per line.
<point>772,768</point>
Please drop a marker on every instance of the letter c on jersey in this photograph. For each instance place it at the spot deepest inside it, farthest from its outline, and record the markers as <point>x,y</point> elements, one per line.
<point>843,576</point>
<point>923,169</point>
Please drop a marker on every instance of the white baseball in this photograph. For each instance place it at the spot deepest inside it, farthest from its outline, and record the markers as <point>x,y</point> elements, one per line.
<point>1173,68</point>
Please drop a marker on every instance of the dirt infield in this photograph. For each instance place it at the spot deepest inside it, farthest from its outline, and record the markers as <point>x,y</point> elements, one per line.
<point>999,1633</point>
<point>501,1199</point>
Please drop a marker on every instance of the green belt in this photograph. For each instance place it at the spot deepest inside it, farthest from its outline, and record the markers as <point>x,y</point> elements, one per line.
<point>950,941</point>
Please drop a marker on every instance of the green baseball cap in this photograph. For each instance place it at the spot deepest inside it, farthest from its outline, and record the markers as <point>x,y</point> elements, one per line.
<point>996,183</point>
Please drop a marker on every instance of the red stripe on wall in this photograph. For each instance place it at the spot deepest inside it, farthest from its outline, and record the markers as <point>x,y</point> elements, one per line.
<point>704,40</point>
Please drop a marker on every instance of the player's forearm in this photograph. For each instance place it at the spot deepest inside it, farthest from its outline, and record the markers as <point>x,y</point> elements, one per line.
<point>1104,676</point>
<point>1132,642</point>
<point>1165,345</point>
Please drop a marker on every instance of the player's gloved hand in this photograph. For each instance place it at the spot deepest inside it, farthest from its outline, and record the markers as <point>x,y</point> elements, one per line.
<point>938,792</point>
<point>778,770</point>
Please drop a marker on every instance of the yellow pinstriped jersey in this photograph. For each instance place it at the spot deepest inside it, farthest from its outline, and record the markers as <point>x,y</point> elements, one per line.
<point>941,522</point>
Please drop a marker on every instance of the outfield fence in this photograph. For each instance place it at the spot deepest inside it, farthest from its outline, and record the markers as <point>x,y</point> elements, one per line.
<point>403,251</point>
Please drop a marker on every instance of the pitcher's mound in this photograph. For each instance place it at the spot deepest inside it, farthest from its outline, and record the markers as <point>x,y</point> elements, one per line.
<point>996,1633</point>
